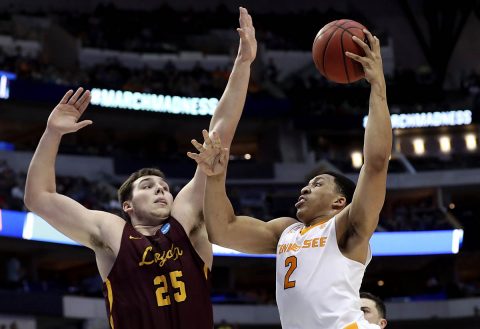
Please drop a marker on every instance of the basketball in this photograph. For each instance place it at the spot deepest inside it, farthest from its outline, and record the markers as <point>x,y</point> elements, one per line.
<point>329,48</point>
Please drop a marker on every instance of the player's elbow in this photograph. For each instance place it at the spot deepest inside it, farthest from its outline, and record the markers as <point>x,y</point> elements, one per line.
<point>32,200</point>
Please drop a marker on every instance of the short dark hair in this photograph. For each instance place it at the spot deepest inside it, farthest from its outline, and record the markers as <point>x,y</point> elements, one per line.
<point>379,304</point>
<point>345,185</point>
<point>125,191</point>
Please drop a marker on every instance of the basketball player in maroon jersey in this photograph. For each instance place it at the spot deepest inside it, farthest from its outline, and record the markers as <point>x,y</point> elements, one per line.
<point>155,265</point>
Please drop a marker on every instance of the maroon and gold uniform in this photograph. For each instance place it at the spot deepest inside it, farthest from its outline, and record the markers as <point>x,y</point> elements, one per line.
<point>158,282</point>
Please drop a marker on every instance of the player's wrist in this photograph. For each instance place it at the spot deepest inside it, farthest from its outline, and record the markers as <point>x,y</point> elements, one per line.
<point>239,61</point>
<point>378,85</point>
<point>53,132</point>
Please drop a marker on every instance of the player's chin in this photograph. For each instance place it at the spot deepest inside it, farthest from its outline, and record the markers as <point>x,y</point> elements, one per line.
<point>301,214</point>
<point>163,212</point>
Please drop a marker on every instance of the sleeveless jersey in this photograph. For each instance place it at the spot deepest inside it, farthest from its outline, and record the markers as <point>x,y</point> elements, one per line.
<point>316,285</point>
<point>158,281</point>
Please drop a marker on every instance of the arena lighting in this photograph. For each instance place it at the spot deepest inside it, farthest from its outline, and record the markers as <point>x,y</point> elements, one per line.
<point>471,142</point>
<point>153,103</point>
<point>419,146</point>
<point>5,78</point>
<point>28,226</point>
<point>445,145</point>
<point>429,119</point>
<point>357,159</point>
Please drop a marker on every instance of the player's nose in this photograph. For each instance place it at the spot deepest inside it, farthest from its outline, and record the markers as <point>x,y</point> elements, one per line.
<point>305,190</point>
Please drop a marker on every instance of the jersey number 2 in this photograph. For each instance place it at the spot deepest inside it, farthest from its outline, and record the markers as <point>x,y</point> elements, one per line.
<point>291,263</point>
<point>161,281</point>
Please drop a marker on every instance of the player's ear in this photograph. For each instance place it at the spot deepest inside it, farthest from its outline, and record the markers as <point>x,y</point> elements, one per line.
<point>383,323</point>
<point>339,203</point>
<point>127,206</point>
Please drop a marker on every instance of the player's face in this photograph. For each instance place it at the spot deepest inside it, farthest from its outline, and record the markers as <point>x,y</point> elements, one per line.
<point>151,199</point>
<point>317,199</point>
<point>370,312</point>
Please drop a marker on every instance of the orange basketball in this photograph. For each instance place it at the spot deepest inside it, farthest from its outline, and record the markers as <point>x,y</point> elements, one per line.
<point>329,48</point>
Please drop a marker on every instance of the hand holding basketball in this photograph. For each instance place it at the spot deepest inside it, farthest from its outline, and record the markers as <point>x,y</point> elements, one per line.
<point>329,48</point>
<point>372,61</point>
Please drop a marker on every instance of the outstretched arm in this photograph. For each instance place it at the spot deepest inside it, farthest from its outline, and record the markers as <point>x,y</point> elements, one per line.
<point>242,233</point>
<point>63,213</point>
<point>189,202</point>
<point>361,218</point>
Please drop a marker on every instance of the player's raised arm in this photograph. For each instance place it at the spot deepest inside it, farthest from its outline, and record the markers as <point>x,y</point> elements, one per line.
<point>189,202</point>
<point>63,213</point>
<point>363,213</point>
<point>242,233</point>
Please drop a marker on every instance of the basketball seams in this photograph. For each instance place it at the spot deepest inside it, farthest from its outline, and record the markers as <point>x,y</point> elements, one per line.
<point>329,51</point>
<point>325,51</point>
<point>344,57</point>
<point>330,27</point>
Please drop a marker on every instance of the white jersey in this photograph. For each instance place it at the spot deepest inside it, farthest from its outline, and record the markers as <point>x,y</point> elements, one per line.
<point>317,286</point>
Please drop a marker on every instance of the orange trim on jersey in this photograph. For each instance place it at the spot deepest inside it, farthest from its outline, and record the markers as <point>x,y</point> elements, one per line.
<point>205,271</point>
<point>353,325</point>
<point>110,301</point>
<point>306,229</point>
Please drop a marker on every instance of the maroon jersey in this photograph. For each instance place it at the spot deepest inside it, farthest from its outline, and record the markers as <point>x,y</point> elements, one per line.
<point>158,282</point>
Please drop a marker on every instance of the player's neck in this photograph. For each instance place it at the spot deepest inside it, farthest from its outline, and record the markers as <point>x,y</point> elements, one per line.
<point>146,229</point>
<point>320,220</point>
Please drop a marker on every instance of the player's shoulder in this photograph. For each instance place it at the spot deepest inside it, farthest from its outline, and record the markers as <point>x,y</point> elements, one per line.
<point>280,224</point>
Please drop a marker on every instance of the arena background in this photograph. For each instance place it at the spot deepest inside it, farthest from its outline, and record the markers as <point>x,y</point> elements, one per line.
<point>295,122</point>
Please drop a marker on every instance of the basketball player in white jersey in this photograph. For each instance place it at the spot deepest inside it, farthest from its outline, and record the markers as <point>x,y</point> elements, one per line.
<point>374,309</point>
<point>322,256</point>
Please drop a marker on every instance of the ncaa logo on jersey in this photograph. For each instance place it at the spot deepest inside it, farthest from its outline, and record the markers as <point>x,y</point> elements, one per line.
<point>165,228</point>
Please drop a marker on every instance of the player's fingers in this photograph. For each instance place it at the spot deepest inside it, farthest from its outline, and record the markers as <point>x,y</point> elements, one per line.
<point>224,156</point>
<point>355,57</point>
<point>216,139</point>
<point>241,32</point>
<point>249,19</point>
<point>197,145</point>
<point>206,138</point>
<point>75,96</point>
<point>66,97</point>
<point>82,99</point>
<point>362,44</point>
<point>376,44</point>
<point>194,156</point>
<point>369,35</point>
<point>243,20</point>
<point>83,106</point>
<point>82,124</point>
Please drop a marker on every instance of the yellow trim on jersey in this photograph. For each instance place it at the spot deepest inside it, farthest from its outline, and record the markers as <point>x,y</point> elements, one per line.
<point>306,229</point>
<point>205,271</point>
<point>353,325</point>
<point>110,301</point>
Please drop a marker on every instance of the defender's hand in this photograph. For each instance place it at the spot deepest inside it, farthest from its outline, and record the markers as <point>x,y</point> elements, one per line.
<point>64,117</point>
<point>212,158</point>
<point>247,50</point>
